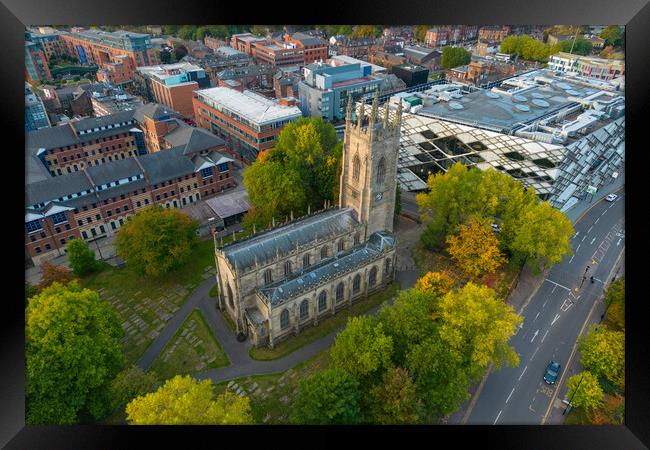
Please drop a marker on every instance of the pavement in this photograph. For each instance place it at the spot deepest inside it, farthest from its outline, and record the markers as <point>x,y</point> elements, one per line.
<point>555,316</point>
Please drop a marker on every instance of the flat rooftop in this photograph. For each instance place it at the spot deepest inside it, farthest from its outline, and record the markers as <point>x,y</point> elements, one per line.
<point>350,60</point>
<point>519,100</point>
<point>251,106</point>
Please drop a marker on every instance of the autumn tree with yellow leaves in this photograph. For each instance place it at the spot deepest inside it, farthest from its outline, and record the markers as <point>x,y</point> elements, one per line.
<point>475,248</point>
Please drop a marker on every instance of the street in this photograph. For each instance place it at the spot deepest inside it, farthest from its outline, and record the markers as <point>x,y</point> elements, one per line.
<point>553,319</point>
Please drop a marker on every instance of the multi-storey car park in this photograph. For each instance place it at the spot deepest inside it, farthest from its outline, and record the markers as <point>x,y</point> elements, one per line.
<point>562,135</point>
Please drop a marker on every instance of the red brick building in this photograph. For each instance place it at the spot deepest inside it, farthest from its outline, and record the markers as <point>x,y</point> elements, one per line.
<point>314,49</point>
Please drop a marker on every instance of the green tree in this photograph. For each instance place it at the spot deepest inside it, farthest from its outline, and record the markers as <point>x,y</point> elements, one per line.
<point>361,31</point>
<point>395,400</point>
<point>362,349</point>
<point>130,383</point>
<point>30,291</point>
<point>81,257</point>
<point>454,57</point>
<point>187,32</point>
<point>615,303</point>
<point>183,400</point>
<point>156,240</point>
<point>328,397</point>
<point>302,170</point>
<point>580,47</point>
<point>200,33</point>
<point>475,248</point>
<point>584,391</point>
<point>543,236</point>
<point>170,29</point>
<point>613,35</point>
<point>72,351</point>
<point>436,283</point>
<point>441,378</point>
<point>218,31</point>
<point>478,325</point>
<point>420,32</point>
<point>602,352</point>
<point>260,30</point>
<point>408,321</point>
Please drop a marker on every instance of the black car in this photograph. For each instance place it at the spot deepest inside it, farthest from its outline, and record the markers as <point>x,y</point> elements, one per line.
<point>552,371</point>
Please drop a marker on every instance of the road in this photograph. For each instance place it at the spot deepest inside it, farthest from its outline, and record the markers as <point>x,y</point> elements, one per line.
<point>553,320</point>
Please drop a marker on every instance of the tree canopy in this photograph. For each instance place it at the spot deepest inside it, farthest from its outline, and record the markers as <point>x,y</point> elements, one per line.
<point>478,325</point>
<point>156,240</point>
<point>613,35</point>
<point>584,391</point>
<point>436,283</point>
<point>454,57</point>
<point>130,383</point>
<point>528,48</point>
<point>72,352</point>
<point>581,46</point>
<point>51,273</point>
<point>328,397</point>
<point>183,400</point>
<point>362,349</point>
<point>615,303</point>
<point>395,400</point>
<point>475,248</point>
<point>301,171</point>
<point>81,257</point>
<point>361,31</point>
<point>420,32</point>
<point>602,352</point>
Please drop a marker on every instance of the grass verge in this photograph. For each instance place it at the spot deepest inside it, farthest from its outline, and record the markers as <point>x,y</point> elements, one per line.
<point>325,326</point>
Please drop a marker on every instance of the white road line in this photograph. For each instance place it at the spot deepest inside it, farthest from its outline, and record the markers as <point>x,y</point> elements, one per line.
<point>579,246</point>
<point>534,336</point>
<point>573,256</point>
<point>603,213</point>
<point>513,390</point>
<point>531,358</point>
<point>583,238</point>
<point>576,235</point>
<point>557,284</point>
<point>557,316</point>
<point>522,373</point>
<point>495,420</point>
<point>544,304</point>
<point>544,337</point>
<point>592,241</point>
<point>619,241</point>
<point>589,229</point>
<point>536,317</point>
<point>596,221</point>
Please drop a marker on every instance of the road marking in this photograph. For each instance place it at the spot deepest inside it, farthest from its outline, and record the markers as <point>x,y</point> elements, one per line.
<point>513,390</point>
<point>575,345</point>
<point>603,213</point>
<point>592,241</point>
<point>589,229</point>
<point>557,284</point>
<point>531,407</point>
<point>536,316</point>
<point>557,316</point>
<point>576,235</point>
<point>544,337</point>
<point>618,243</point>
<point>573,256</point>
<point>534,336</point>
<point>583,238</point>
<point>498,415</point>
<point>578,247</point>
<point>544,304</point>
<point>597,220</point>
<point>522,373</point>
<point>531,358</point>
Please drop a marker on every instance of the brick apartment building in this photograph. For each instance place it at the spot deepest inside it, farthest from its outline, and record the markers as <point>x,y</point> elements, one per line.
<point>214,43</point>
<point>223,58</point>
<point>314,49</point>
<point>278,54</point>
<point>172,85</point>
<point>117,53</point>
<point>245,42</point>
<point>36,68</point>
<point>48,38</point>
<point>96,201</point>
<point>247,77</point>
<point>249,122</point>
<point>449,34</point>
<point>354,47</point>
<point>385,59</point>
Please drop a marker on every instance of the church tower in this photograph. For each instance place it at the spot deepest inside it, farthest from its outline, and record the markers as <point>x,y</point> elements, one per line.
<point>369,166</point>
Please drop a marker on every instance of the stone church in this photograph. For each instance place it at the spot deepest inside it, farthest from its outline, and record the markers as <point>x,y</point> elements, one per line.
<point>279,281</point>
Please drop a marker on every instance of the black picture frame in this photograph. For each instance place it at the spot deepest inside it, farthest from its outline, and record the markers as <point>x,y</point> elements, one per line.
<point>634,14</point>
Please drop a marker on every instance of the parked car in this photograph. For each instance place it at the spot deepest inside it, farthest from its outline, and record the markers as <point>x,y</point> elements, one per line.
<point>552,372</point>
<point>611,197</point>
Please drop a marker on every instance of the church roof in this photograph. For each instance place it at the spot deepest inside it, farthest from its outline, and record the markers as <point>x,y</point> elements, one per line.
<point>286,238</point>
<point>343,262</point>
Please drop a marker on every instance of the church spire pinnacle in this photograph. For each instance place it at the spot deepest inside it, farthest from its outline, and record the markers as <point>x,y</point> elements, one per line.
<point>361,114</point>
<point>398,118</point>
<point>386,115</point>
<point>375,107</point>
<point>348,111</point>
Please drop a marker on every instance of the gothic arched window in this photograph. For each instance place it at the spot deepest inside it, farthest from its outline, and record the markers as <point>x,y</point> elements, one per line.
<point>341,246</point>
<point>287,268</point>
<point>381,170</point>
<point>305,260</point>
<point>356,168</point>
<point>372,278</point>
<point>230,299</point>
<point>340,292</point>
<point>304,309</point>
<point>284,319</point>
<point>387,266</point>
<point>357,239</point>
<point>322,301</point>
<point>356,283</point>
<point>268,276</point>
<point>323,252</point>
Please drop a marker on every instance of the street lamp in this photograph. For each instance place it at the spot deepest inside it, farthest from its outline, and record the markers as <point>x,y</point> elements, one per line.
<point>574,393</point>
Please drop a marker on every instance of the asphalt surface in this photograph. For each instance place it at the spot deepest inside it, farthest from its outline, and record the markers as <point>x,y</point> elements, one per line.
<point>553,320</point>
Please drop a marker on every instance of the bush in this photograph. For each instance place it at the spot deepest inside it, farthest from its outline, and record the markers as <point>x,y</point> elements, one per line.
<point>81,257</point>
